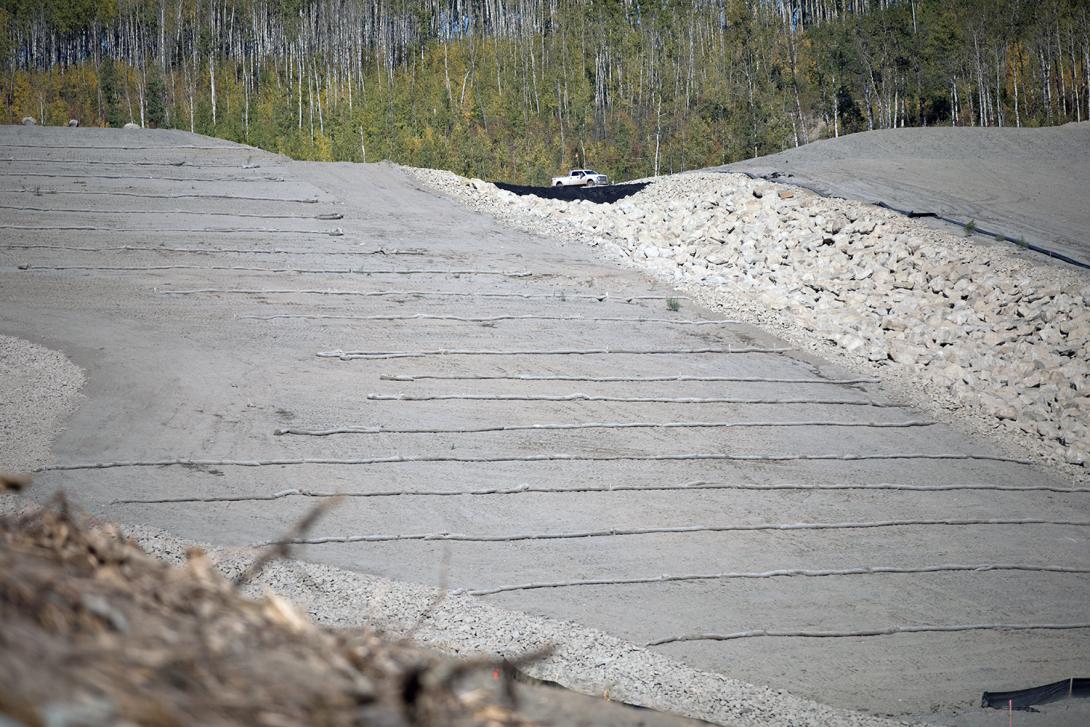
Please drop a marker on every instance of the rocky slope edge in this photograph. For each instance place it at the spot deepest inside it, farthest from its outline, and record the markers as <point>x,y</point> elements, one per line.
<point>996,338</point>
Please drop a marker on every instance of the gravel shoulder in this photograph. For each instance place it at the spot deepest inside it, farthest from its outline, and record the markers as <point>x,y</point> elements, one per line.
<point>589,660</point>
<point>39,388</point>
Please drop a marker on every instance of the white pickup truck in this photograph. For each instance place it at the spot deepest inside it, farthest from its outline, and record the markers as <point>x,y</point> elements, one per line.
<point>581,178</point>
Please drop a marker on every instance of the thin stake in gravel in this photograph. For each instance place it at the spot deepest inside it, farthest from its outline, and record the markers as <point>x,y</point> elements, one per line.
<point>312,271</point>
<point>350,355</point>
<point>594,425</point>
<point>684,530</point>
<point>888,631</point>
<point>623,399</point>
<point>599,297</point>
<point>491,319</point>
<point>413,459</point>
<point>525,489</point>
<point>617,379</point>
<point>782,573</point>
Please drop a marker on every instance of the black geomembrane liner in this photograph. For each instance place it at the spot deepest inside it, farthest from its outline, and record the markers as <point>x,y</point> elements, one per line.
<point>1025,698</point>
<point>599,195</point>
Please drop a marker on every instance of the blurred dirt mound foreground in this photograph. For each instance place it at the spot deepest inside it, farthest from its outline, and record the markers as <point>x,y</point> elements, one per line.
<point>95,631</point>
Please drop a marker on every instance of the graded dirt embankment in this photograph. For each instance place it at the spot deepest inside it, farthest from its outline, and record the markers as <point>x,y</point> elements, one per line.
<point>1023,184</point>
<point>997,337</point>
<point>701,515</point>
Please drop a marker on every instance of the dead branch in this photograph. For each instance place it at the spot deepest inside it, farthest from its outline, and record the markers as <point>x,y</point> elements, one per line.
<point>281,549</point>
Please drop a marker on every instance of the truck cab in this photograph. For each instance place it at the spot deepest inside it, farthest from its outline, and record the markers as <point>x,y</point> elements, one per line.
<point>581,178</point>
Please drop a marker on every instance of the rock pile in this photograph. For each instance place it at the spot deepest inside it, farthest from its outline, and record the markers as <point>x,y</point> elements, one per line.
<point>986,327</point>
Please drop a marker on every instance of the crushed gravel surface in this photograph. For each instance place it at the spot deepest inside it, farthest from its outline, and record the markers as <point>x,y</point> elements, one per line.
<point>39,388</point>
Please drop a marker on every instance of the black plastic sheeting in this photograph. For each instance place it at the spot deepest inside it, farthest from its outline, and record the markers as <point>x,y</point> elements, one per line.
<point>1023,699</point>
<point>599,195</point>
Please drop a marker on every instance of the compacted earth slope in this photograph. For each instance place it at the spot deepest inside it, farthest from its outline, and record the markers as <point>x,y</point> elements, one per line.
<point>700,515</point>
<point>998,338</point>
<point>1023,184</point>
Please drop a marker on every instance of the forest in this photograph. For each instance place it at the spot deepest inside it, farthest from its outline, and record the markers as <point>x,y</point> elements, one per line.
<point>520,90</point>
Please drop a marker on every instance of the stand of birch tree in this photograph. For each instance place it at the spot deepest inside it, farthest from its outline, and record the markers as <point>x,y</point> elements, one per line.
<point>521,89</point>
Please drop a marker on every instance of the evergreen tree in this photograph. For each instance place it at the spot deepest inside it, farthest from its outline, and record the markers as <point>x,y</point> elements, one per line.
<point>156,100</point>
<point>109,83</point>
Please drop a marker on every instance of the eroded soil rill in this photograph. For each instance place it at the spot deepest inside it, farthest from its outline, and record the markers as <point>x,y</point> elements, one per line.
<point>514,417</point>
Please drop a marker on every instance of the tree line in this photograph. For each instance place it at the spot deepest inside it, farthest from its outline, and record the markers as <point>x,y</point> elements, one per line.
<point>519,89</point>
